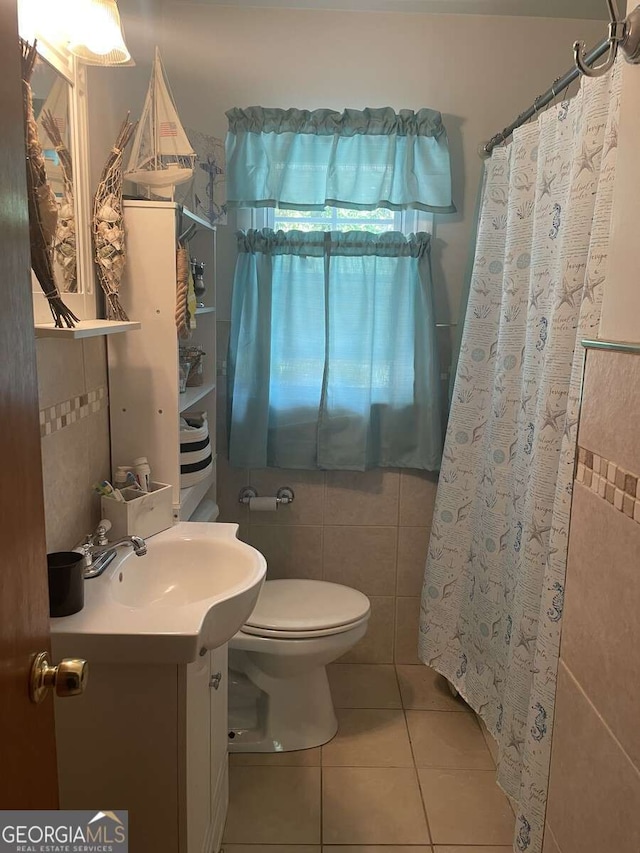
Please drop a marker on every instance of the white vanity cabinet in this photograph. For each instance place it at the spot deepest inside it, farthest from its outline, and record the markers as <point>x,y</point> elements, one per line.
<point>151,739</point>
<point>205,757</point>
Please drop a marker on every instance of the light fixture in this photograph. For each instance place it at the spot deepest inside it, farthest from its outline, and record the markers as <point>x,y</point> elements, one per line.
<point>38,19</point>
<point>95,33</point>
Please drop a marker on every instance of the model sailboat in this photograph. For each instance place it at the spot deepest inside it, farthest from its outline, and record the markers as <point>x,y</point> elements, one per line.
<point>161,155</point>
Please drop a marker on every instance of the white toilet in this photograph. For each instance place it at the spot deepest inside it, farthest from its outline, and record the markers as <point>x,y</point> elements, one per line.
<point>279,697</point>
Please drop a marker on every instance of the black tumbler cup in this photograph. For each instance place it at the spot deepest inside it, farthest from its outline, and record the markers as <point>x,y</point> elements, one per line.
<point>66,582</point>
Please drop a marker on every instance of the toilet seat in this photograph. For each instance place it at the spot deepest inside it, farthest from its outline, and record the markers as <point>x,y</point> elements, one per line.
<point>302,635</point>
<point>303,609</point>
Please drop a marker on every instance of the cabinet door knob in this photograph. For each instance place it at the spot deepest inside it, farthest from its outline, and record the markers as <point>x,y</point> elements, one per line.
<point>216,678</point>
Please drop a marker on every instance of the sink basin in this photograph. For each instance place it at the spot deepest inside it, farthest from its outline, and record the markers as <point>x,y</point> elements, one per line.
<point>181,572</point>
<point>193,590</point>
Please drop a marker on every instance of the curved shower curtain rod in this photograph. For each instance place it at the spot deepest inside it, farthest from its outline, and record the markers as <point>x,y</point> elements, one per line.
<point>624,35</point>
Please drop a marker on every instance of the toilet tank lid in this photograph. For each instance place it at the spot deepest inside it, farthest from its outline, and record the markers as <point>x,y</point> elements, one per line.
<point>306,605</point>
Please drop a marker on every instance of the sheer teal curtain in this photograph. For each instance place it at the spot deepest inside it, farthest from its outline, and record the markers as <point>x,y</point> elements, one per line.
<point>332,355</point>
<point>359,159</point>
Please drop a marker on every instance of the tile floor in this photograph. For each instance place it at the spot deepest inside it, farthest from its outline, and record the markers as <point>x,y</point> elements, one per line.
<point>408,772</point>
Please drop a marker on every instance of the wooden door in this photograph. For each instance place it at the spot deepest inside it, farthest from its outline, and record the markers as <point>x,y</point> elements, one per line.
<point>27,741</point>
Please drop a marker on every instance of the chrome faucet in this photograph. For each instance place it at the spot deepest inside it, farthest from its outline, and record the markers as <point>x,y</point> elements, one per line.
<point>98,552</point>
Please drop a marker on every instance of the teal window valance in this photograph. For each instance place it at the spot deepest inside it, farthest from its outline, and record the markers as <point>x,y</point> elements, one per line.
<point>332,356</point>
<point>357,159</point>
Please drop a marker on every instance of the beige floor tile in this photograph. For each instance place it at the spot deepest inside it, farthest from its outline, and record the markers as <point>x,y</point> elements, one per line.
<point>376,848</point>
<point>369,738</point>
<point>363,685</point>
<point>466,807</point>
<point>273,805</point>
<point>270,848</point>
<point>466,849</point>
<point>440,739</point>
<point>363,805</point>
<point>423,689</point>
<point>299,758</point>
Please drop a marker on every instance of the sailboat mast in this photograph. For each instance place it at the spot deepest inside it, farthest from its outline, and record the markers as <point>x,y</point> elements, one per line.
<point>154,109</point>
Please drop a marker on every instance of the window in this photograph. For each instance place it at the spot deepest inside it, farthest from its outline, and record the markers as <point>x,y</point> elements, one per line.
<point>332,355</point>
<point>337,219</point>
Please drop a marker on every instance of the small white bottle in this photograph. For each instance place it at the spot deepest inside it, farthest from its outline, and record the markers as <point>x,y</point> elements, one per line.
<point>142,473</point>
<point>120,476</point>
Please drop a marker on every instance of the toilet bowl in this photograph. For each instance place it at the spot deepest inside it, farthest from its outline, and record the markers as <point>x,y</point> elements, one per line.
<point>279,697</point>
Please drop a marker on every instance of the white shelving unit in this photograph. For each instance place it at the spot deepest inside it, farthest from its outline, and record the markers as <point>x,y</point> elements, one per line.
<point>191,498</point>
<point>190,397</point>
<point>145,402</point>
<point>86,329</point>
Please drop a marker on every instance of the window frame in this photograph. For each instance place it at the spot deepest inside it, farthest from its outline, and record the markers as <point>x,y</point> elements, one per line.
<point>405,221</point>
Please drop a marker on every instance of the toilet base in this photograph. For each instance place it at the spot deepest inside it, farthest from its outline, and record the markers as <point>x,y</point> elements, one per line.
<point>287,714</point>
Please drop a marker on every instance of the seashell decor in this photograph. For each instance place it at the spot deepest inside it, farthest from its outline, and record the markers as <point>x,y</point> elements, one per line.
<point>43,208</point>
<point>64,244</point>
<point>108,225</point>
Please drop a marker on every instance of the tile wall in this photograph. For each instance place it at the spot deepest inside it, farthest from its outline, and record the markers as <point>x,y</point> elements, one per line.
<point>74,425</point>
<point>367,530</point>
<point>594,795</point>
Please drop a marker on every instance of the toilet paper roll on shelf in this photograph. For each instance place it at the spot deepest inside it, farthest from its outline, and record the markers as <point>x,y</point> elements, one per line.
<point>249,497</point>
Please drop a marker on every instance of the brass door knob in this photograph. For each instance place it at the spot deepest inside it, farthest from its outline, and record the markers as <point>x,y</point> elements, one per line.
<point>69,677</point>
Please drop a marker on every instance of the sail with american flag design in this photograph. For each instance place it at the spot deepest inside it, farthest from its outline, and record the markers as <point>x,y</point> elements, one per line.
<point>161,154</point>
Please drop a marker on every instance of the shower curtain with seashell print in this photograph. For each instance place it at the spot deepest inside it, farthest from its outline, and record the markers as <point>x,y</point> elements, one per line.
<point>494,580</point>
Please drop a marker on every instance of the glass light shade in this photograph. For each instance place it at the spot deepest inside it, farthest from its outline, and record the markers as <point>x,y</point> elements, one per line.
<point>95,33</point>
<point>43,19</point>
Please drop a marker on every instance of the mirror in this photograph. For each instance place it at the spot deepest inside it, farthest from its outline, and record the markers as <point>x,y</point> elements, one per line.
<point>52,110</point>
<point>60,89</point>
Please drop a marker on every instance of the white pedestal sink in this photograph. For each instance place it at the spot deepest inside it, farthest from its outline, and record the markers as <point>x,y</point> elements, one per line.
<point>150,731</point>
<point>193,590</point>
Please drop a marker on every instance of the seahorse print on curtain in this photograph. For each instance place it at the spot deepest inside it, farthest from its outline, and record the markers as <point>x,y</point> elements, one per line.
<point>494,580</point>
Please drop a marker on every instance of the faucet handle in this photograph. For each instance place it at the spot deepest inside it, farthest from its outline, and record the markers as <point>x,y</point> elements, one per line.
<point>84,547</point>
<point>101,532</point>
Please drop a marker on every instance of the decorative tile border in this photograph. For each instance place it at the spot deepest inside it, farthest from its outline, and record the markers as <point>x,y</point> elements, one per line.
<point>57,417</point>
<point>618,487</point>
